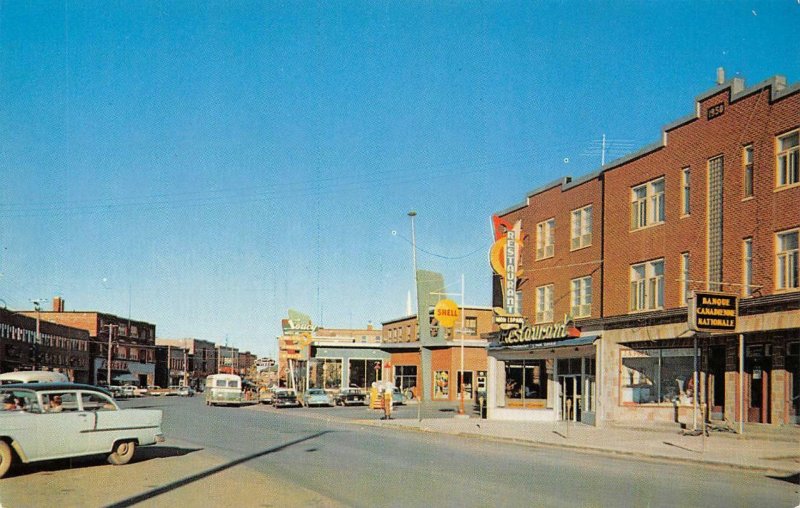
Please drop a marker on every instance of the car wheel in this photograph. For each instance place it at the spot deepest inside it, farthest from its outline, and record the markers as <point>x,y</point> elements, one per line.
<point>6,457</point>
<point>122,453</point>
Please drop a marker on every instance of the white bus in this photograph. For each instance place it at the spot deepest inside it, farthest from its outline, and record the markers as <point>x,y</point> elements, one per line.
<point>226,390</point>
<point>33,376</point>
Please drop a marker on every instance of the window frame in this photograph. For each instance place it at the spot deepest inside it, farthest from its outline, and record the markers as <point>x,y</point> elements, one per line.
<point>585,218</point>
<point>545,239</point>
<point>649,288</point>
<point>685,272</point>
<point>748,156</point>
<point>544,303</point>
<point>791,154</point>
<point>584,290</point>
<point>747,267</point>
<point>783,259</point>
<point>686,191</point>
<point>648,209</point>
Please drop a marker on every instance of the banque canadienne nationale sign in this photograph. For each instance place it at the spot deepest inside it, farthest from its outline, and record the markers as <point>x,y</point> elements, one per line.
<point>713,312</point>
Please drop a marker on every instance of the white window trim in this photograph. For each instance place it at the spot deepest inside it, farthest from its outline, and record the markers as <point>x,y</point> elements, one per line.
<point>779,153</point>
<point>544,295</point>
<point>584,237</point>
<point>545,239</point>
<point>747,268</point>
<point>748,149</point>
<point>685,269</point>
<point>686,192</point>
<point>789,255</point>
<point>649,212</point>
<point>644,285</point>
<point>582,308</point>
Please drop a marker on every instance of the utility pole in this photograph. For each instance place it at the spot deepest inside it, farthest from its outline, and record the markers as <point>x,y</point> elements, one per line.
<point>461,374</point>
<point>108,361</point>
<point>421,374</point>
<point>185,365</point>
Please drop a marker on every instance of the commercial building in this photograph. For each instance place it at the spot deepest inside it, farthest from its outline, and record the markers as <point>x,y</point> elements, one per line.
<point>711,207</point>
<point>55,347</point>
<point>132,344</point>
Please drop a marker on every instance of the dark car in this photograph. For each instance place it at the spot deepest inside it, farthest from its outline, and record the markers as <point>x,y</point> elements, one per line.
<point>285,398</point>
<point>350,397</point>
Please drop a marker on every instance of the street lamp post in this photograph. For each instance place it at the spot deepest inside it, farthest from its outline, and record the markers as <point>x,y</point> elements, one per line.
<point>461,373</point>
<point>421,390</point>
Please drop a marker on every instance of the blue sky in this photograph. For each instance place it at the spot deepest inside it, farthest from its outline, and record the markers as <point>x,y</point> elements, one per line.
<point>209,165</point>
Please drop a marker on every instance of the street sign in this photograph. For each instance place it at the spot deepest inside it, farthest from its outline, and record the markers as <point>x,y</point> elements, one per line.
<point>713,312</point>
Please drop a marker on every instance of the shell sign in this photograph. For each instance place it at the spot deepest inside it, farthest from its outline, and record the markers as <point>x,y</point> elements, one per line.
<point>446,312</point>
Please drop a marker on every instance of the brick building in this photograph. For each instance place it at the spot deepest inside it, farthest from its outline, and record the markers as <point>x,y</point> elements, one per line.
<point>712,206</point>
<point>132,344</point>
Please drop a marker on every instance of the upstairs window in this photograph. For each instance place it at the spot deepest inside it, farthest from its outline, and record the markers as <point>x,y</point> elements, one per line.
<point>685,191</point>
<point>787,262</point>
<point>684,278</point>
<point>581,228</point>
<point>747,161</point>
<point>747,267</point>
<point>581,297</point>
<point>647,204</point>
<point>544,304</point>
<point>788,155</point>
<point>647,286</point>
<point>545,239</point>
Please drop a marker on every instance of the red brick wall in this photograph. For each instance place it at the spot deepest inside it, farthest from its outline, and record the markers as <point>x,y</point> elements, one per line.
<point>751,120</point>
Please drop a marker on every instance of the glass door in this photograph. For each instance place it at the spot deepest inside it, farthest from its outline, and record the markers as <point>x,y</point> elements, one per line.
<point>571,400</point>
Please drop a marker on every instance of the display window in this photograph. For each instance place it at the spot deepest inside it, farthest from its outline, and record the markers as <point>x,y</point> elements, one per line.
<point>325,373</point>
<point>654,376</point>
<point>441,386</point>
<point>526,383</point>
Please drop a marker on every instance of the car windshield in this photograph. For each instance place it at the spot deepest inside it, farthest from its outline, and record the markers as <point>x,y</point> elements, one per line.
<point>316,391</point>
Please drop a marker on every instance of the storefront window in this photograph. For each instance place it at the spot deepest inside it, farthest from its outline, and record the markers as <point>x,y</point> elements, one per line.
<point>363,372</point>
<point>441,384</point>
<point>405,376</point>
<point>526,383</point>
<point>325,373</point>
<point>651,376</point>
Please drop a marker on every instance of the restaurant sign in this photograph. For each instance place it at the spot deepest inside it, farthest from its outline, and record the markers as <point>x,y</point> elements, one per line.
<point>713,312</point>
<point>527,334</point>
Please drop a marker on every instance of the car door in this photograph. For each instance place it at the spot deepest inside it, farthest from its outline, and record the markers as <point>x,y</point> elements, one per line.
<point>66,432</point>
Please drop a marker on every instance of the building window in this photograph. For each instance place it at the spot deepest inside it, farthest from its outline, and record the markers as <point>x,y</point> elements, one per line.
<point>581,297</point>
<point>405,376</point>
<point>685,192</point>
<point>747,267</point>
<point>544,304</point>
<point>788,155</point>
<point>647,286</point>
<point>545,239</point>
<point>581,228</point>
<point>787,263</point>
<point>647,204</point>
<point>471,325</point>
<point>684,277</point>
<point>526,383</point>
<point>747,159</point>
<point>653,376</point>
<point>441,388</point>
<point>325,373</point>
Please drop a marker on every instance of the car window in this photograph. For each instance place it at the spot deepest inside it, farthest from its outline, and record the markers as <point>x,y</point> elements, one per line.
<point>58,402</point>
<point>19,400</point>
<point>96,402</point>
<point>233,384</point>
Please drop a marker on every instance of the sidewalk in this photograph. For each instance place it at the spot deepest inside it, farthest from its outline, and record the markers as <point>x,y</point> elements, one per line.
<point>758,453</point>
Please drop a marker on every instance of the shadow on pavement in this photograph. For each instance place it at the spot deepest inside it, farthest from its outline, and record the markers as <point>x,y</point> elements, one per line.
<point>205,474</point>
<point>792,478</point>
<point>142,454</point>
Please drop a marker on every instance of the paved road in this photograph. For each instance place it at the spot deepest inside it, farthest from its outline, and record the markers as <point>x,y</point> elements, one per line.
<point>266,457</point>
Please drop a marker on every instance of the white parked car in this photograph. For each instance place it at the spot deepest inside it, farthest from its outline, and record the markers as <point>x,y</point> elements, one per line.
<point>46,421</point>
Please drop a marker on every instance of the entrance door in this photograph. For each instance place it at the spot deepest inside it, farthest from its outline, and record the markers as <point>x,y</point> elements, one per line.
<point>716,382</point>
<point>758,368</point>
<point>571,398</point>
<point>467,385</point>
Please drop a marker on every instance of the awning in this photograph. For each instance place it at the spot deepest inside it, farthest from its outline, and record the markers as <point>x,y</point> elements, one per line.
<point>126,377</point>
<point>549,344</point>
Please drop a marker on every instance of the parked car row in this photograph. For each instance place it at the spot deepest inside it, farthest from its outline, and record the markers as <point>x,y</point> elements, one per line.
<point>284,397</point>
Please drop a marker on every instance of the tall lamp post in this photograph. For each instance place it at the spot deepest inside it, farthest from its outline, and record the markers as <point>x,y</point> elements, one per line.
<point>421,390</point>
<point>37,341</point>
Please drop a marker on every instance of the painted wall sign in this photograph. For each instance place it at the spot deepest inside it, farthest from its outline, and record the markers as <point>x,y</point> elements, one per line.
<point>713,312</point>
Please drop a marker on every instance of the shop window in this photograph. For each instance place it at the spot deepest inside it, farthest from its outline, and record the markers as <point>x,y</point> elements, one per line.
<point>405,376</point>
<point>581,228</point>
<point>441,388</point>
<point>545,239</point>
<point>652,376</point>
<point>526,383</point>
<point>325,373</point>
<point>647,204</point>
<point>363,372</point>
<point>788,164</point>
<point>787,261</point>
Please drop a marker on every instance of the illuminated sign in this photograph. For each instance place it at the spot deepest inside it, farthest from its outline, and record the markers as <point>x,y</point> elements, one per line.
<point>713,312</point>
<point>504,258</point>
<point>446,312</point>
<point>529,334</point>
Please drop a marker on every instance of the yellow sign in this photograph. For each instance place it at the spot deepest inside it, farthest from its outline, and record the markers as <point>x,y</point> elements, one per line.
<point>446,312</point>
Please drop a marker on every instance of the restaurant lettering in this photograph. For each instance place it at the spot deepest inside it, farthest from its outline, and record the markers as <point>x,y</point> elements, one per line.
<point>528,333</point>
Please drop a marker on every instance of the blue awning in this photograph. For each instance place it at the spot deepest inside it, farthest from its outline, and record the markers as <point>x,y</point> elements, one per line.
<point>549,344</point>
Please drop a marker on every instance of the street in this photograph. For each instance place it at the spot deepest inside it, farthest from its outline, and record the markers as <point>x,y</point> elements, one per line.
<point>260,456</point>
